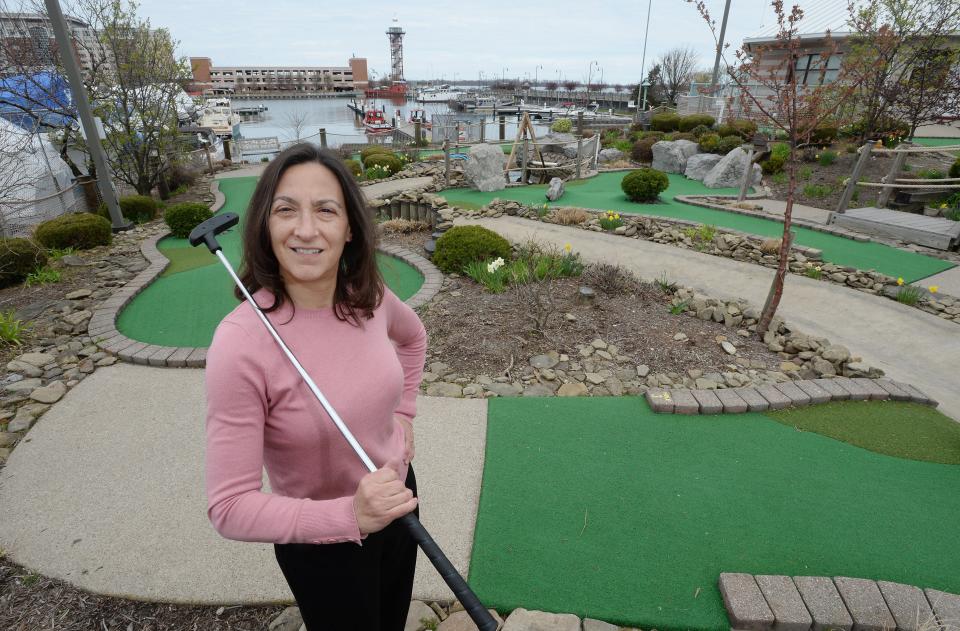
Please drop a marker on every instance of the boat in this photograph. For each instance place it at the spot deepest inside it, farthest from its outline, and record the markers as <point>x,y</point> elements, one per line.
<point>438,94</point>
<point>420,116</point>
<point>488,103</point>
<point>218,115</point>
<point>375,123</point>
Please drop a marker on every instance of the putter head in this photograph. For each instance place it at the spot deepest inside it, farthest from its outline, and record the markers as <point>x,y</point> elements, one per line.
<point>207,232</point>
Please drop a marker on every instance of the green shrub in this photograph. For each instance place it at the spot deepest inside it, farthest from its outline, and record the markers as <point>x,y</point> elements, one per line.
<point>930,174</point>
<point>827,157</point>
<point>11,329</point>
<point>369,151</point>
<point>42,276</point>
<point>955,169</point>
<point>562,125</point>
<point>824,135</point>
<point>643,149</point>
<point>699,131</point>
<point>728,144</point>
<point>684,136</point>
<point>390,162</point>
<point>18,259</point>
<point>709,143</point>
<point>687,123</point>
<point>623,145</point>
<point>182,218</point>
<point>644,185</point>
<point>780,150</point>
<point>136,208</point>
<point>772,165</point>
<point>180,175</point>
<point>461,245</point>
<point>78,230</point>
<point>353,166</point>
<point>743,128</point>
<point>665,122</point>
<point>816,190</point>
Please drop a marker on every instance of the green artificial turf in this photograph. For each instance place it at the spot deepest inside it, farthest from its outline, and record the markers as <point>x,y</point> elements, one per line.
<point>904,430</point>
<point>184,305</point>
<point>603,192</point>
<point>936,142</point>
<point>599,507</point>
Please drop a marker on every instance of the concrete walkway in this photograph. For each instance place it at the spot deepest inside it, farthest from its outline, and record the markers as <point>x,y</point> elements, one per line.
<point>107,493</point>
<point>908,344</point>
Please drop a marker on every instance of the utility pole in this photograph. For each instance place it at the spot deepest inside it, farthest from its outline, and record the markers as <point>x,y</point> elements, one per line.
<point>79,94</point>
<point>716,61</point>
<point>643,65</point>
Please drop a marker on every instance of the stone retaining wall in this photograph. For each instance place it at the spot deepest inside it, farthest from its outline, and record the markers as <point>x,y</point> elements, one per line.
<point>817,603</point>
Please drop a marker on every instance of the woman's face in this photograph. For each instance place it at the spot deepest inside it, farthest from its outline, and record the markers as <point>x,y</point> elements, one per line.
<point>308,228</point>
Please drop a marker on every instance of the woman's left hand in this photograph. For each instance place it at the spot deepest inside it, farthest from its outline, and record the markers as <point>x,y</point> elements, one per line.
<point>408,437</point>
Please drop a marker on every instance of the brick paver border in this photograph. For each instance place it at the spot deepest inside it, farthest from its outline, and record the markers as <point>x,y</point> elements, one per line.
<point>818,603</point>
<point>782,395</point>
<point>102,325</point>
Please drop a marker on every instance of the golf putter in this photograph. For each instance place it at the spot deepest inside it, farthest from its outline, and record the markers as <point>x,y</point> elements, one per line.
<point>206,233</point>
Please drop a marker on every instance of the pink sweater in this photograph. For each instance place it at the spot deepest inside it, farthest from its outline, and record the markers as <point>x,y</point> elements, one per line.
<point>261,413</point>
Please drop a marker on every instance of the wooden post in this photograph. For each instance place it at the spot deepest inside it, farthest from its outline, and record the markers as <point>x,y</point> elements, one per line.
<point>747,172</point>
<point>483,128</point>
<point>206,148</point>
<point>503,129</point>
<point>323,137</point>
<point>446,163</point>
<point>854,177</point>
<point>580,124</point>
<point>417,130</point>
<point>226,149</point>
<point>523,171</point>
<point>891,177</point>
<point>579,155</point>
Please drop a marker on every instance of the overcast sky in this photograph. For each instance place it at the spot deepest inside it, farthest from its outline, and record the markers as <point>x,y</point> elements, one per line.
<point>443,38</point>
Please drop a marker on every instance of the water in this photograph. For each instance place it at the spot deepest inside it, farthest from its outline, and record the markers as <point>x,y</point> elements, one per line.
<point>340,122</point>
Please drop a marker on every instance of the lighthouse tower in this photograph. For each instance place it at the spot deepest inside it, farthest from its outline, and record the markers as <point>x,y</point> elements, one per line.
<point>395,35</point>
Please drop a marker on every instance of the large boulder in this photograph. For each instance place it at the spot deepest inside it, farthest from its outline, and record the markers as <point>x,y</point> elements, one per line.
<point>555,190</point>
<point>699,165</point>
<point>671,156</point>
<point>484,168</point>
<point>609,155</point>
<point>728,173</point>
<point>554,142</point>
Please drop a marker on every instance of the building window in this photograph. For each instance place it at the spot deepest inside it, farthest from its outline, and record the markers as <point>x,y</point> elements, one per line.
<point>808,69</point>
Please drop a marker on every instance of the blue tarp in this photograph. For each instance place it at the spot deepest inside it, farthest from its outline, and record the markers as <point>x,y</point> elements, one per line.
<point>40,93</point>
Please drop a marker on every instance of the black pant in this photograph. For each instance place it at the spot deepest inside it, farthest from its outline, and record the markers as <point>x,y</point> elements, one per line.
<point>346,587</point>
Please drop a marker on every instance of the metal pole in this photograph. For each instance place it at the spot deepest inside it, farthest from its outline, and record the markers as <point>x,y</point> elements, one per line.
<point>503,129</point>
<point>716,61</point>
<point>79,94</point>
<point>323,137</point>
<point>643,62</point>
<point>483,128</point>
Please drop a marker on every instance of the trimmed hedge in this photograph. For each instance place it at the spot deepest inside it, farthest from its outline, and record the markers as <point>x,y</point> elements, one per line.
<point>955,169</point>
<point>562,125</point>
<point>369,151</point>
<point>665,122</point>
<point>461,245</point>
<point>709,143</point>
<point>77,230</point>
<point>728,144</point>
<point>184,217</point>
<point>699,131</point>
<point>18,258</point>
<point>644,185</point>
<point>353,166</point>
<point>824,135</point>
<point>391,163</point>
<point>136,208</point>
<point>687,123</point>
<point>743,128</point>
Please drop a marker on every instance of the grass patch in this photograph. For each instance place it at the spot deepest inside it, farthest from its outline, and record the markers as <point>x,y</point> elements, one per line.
<point>894,428</point>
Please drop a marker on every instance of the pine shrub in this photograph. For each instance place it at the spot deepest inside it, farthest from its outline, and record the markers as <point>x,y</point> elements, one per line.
<point>461,245</point>
<point>18,259</point>
<point>136,208</point>
<point>644,185</point>
<point>81,231</point>
<point>687,123</point>
<point>665,122</point>
<point>182,218</point>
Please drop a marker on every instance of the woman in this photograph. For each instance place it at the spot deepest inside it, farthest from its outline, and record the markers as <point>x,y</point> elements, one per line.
<point>309,262</point>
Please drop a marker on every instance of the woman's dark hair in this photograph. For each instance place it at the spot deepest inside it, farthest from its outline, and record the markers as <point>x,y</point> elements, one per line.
<point>359,284</point>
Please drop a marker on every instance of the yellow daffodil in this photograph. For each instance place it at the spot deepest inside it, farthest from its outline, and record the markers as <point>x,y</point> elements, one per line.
<point>567,247</point>
<point>899,281</point>
<point>934,288</point>
<point>818,268</point>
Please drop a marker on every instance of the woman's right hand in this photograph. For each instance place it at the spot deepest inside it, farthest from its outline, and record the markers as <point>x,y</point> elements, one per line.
<point>381,498</point>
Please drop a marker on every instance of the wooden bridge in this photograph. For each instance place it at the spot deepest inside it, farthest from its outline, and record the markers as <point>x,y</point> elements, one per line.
<point>933,232</point>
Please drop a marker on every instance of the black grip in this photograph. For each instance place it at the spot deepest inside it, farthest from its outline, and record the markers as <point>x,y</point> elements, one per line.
<point>206,233</point>
<point>477,612</point>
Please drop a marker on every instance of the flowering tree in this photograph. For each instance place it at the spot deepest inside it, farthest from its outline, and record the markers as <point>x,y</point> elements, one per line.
<point>774,93</point>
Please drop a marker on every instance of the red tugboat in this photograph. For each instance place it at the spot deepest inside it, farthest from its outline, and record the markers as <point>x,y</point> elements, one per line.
<point>375,123</point>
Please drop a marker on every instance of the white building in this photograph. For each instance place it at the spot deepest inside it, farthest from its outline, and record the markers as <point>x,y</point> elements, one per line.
<point>29,37</point>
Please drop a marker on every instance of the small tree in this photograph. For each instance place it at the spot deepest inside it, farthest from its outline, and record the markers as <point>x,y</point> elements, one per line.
<point>297,122</point>
<point>676,71</point>
<point>769,91</point>
<point>930,91</point>
<point>551,85</point>
<point>569,86</point>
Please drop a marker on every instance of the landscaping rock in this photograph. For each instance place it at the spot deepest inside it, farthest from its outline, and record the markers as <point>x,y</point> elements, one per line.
<point>522,620</point>
<point>37,359</point>
<point>78,294</point>
<point>538,390</point>
<point>574,389</point>
<point>555,189</point>
<point>672,156</point>
<point>22,385</point>
<point>502,389</point>
<point>609,155</point>
<point>24,368</point>
<point>728,348</point>
<point>460,621</point>
<point>549,360</point>
<point>728,172</point>
<point>417,614</point>
<point>288,620</point>
<point>50,393</point>
<point>444,389</point>
<point>484,168</point>
<point>699,165</point>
